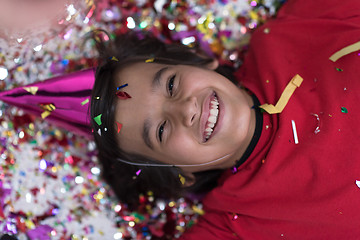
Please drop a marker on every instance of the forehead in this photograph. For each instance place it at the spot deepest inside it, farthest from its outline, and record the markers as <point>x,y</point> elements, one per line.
<point>133,112</point>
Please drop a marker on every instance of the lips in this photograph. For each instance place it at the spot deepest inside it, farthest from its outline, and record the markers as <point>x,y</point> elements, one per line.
<point>210,116</point>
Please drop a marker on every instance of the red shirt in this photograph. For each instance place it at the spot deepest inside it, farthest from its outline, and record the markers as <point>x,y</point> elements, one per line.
<point>306,190</point>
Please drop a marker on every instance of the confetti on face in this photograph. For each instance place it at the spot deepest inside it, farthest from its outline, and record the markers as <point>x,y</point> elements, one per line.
<point>119,126</point>
<point>97,119</point>
<point>122,86</point>
<point>123,95</point>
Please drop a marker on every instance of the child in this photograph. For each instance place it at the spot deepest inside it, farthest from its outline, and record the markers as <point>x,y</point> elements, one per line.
<point>292,174</point>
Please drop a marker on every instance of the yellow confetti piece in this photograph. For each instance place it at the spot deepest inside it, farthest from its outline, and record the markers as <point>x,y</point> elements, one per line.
<point>182,179</point>
<point>114,59</point>
<point>294,83</point>
<point>29,224</point>
<point>48,107</point>
<point>198,210</point>
<point>32,90</point>
<point>45,114</point>
<point>150,60</point>
<point>345,51</point>
<point>85,102</point>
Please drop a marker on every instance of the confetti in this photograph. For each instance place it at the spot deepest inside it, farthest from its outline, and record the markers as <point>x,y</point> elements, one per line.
<point>119,126</point>
<point>123,95</point>
<point>294,132</point>
<point>150,60</point>
<point>357,182</point>
<point>32,90</point>
<point>122,86</point>
<point>339,69</point>
<point>138,172</point>
<point>345,51</point>
<point>97,119</point>
<point>182,179</point>
<point>317,129</point>
<point>294,83</point>
<point>344,110</point>
<point>84,102</point>
<point>114,59</point>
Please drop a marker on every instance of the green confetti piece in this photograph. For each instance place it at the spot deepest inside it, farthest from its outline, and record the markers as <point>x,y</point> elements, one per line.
<point>344,110</point>
<point>98,119</point>
<point>85,102</point>
<point>339,69</point>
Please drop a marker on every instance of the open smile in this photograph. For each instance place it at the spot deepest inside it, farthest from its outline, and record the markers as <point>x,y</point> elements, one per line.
<point>212,119</point>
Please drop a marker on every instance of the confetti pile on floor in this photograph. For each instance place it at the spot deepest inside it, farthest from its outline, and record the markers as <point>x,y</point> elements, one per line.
<point>50,185</point>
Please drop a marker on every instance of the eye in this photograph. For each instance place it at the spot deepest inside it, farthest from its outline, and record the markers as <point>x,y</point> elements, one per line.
<point>170,84</point>
<point>161,131</point>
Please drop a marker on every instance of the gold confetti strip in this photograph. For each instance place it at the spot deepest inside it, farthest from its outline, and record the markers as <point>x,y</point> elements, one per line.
<point>45,114</point>
<point>294,83</point>
<point>345,51</point>
<point>150,60</point>
<point>31,90</point>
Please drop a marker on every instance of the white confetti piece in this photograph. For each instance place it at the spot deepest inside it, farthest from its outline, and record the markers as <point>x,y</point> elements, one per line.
<point>357,182</point>
<point>295,132</point>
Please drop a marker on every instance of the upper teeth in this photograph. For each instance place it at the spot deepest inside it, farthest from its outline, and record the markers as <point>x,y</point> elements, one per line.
<point>214,111</point>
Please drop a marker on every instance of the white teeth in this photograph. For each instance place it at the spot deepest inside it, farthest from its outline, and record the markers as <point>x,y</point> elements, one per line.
<point>212,119</point>
<point>215,102</point>
<point>214,112</point>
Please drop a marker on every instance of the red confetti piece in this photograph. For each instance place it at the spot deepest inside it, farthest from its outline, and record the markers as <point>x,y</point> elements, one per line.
<point>123,95</point>
<point>119,126</point>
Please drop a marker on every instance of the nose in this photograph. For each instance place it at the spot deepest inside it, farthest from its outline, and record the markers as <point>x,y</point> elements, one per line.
<point>183,111</point>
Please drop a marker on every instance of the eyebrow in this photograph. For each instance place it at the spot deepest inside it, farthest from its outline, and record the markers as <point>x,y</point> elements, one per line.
<point>145,134</point>
<point>156,82</point>
<point>157,78</point>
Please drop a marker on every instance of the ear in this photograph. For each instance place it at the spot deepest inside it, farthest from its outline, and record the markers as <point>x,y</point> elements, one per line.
<point>213,65</point>
<point>189,180</point>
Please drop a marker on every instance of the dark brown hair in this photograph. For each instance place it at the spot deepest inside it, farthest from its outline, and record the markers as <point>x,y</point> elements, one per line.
<point>162,181</point>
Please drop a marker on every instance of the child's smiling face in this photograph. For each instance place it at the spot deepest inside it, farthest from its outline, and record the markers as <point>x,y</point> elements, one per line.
<point>180,114</point>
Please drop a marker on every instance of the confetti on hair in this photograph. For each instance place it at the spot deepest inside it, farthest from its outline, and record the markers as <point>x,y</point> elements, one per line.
<point>99,132</point>
<point>182,179</point>
<point>114,59</point>
<point>345,51</point>
<point>97,98</point>
<point>97,119</point>
<point>122,86</point>
<point>84,102</point>
<point>317,129</point>
<point>295,132</point>
<point>150,60</point>
<point>119,126</point>
<point>138,172</point>
<point>32,90</point>
<point>344,110</point>
<point>123,95</point>
<point>294,83</point>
